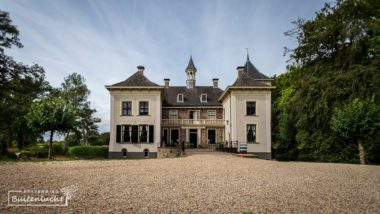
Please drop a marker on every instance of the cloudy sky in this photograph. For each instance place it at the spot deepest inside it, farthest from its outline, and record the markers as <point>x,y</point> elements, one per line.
<point>105,40</point>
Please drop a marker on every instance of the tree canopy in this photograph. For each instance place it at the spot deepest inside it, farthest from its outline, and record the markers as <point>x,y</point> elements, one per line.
<point>336,61</point>
<point>51,114</point>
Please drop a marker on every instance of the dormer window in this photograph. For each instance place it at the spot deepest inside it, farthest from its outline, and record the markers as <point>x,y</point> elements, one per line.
<point>180,98</point>
<point>204,98</point>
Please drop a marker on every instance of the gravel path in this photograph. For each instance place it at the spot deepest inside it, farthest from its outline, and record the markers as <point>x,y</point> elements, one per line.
<point>201,183</point>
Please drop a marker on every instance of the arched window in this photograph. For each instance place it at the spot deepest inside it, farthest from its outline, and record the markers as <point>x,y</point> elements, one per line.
<point>124,152</point>
<point>146,153</point>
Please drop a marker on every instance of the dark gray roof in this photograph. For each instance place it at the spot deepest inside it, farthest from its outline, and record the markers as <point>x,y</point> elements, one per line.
<point>192,96</point>
<point>253,71</point>
<point>246,80</point>
<point>191,65</point>
<point>137,79</point>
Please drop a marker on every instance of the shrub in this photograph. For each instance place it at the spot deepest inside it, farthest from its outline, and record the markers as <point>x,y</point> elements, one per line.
<point>39,151</point>
<point>89,151</point>
<point>57,149</point>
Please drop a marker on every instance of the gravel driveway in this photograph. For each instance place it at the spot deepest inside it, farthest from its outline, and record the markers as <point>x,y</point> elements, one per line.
<point>200,183</point>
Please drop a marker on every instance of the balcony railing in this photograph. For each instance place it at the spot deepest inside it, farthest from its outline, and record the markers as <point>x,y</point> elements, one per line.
<point>180,122</point>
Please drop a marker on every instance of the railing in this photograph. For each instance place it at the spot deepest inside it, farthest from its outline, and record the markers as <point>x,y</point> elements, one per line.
<point>192,122</point>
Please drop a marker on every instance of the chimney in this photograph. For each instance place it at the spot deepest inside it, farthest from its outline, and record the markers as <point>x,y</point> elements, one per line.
<point>215,82</point>
<point>166,81</point>
<point>240,70</point>
<point>140,68</point>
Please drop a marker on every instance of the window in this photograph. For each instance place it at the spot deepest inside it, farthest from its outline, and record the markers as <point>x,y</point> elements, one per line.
<point>194,115</point>
<point>180,98</point>
<point>124,152</point>
<point>135,134</point>
<point>251,133</point>
<point>203,98</point>
<point>126,108</point>
<point>221,135</point>
<point>211,114</point>
<point>173,114</point>
<point>146,133</point>
<point>251,108</point>
<point>146,153</point>
<point>143,134</point>
<point>126,133</point>
<point>144,108</point>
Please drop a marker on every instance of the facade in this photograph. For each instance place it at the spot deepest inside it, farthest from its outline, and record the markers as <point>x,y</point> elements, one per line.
<point>146,116</point>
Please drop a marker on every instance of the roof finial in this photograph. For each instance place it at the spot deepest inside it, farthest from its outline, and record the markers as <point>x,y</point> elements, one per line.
<point>191,64</point>
<point>247,54</point>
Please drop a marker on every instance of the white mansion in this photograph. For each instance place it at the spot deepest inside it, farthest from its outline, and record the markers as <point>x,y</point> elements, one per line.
<point>145,115</point>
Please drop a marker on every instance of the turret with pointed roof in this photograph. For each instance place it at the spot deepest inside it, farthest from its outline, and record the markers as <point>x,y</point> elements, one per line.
<point>191,66</point>
<point>190,72</point>
<point>252,71</point>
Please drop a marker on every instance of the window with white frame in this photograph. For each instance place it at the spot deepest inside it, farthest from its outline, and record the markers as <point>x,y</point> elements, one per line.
<point>180,98</point>
<point>144,108</point>
<point>251,108</point>
<point>251,133</point>
<point>211,114</point>
<point>126,108</point>
<point>173,114</point>
<point>203,98</point>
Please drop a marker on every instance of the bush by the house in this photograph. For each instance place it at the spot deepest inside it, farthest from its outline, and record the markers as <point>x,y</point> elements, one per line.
<point>88,151</point>
<point>57,149</point>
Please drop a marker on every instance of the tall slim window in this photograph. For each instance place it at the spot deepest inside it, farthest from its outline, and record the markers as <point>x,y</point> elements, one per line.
<point>126,109</point>
<point>203,98</point>
<point>180,98</point>
<point>126,133</point>
<point>251,133</point>
<point>251,108</point>
<point>144,108</point>
<point>143,132</point>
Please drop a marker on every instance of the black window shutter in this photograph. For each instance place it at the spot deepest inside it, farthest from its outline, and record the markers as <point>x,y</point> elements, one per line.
<point>151,133</point>
<point>135,134</point>
<point>118,133</point>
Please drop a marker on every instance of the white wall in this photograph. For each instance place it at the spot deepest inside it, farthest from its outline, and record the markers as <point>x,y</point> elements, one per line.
<point>262,118</point>
<point>154,117</point>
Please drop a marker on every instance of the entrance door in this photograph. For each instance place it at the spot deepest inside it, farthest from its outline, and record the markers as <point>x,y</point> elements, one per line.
<point>165,138</point>
<point>211,136</point>
<point>193,138</point>
<point>174,136</point>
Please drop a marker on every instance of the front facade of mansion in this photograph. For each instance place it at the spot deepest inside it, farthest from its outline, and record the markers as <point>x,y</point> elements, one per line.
<point>146,116</point>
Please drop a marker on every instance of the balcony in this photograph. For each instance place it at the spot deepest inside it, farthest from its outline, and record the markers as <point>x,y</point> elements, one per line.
<point>192,122</point>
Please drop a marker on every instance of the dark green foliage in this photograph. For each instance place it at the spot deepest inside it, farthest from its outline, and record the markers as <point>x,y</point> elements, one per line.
<point>102,139</point>
<point>57,149</point>
<point>337,60</point>
<point>50,114</point>
<point>358,120</point>
<point>75,92</point>
<point>19,85</point>
<point>39,151</point>
<point>88,151</point>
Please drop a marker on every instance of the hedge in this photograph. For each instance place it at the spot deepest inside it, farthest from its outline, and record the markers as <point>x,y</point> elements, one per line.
<point>88,151</point>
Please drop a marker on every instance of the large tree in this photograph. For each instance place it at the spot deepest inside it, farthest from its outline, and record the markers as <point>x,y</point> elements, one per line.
<point>359,120</point>
<point>336,60</point>
<point>51,115</point>
<point>75,92</point>
<point>19,85</point>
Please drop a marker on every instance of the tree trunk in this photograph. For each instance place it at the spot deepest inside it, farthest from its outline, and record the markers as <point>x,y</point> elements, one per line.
<point>50,144</point>
<point>361,150</point>
<point>65,142</point>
